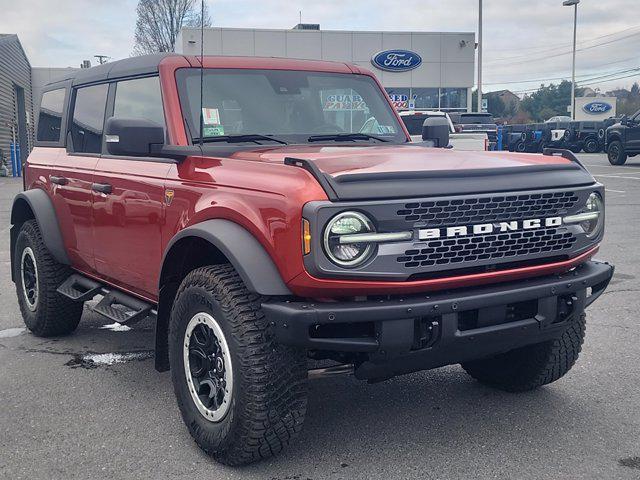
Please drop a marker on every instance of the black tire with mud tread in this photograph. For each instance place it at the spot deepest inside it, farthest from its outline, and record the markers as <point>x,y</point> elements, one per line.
<point>616,153</point>
<point>269,397</point>
<point>55,314</point>
<point>533,366</point>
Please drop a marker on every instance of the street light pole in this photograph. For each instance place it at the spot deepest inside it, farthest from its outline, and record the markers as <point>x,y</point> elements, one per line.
<point>574,3</point>
<point>479,55</point>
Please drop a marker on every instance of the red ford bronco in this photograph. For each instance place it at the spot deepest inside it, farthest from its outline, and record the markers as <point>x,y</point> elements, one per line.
<point>265,212</point>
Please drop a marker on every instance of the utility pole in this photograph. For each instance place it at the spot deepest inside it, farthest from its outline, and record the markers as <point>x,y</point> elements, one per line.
<point>102,58</point>
<point>574,3</point>
<point>479,55</point>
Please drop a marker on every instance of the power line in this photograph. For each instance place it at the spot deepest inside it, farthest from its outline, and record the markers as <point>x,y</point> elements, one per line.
<point>561,54</point>
<point>552,48</point>
<point>610,80</point>
<point>595,80</point>
<point>548,79</point>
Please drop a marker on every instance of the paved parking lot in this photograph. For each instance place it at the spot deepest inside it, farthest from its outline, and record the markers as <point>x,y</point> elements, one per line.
<point>59,418</point>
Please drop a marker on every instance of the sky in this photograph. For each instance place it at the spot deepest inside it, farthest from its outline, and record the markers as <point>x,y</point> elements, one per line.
<point>526,43</point>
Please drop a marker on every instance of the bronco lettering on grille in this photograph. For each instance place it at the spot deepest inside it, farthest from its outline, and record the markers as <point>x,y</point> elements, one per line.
<point>485,228</point>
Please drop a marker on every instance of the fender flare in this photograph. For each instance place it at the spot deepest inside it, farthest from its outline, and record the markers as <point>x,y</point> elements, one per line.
<point>254,265</point>
<point>45,215</point>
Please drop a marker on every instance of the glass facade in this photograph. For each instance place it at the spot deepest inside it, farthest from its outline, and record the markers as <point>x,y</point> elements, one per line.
<point>429,98</point>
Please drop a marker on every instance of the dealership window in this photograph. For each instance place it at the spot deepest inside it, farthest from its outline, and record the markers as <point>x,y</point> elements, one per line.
<point>139,98</point>
<point>88,118</point>
<point>453,98</point>
<point>426,97</point>
<point>50,117</point>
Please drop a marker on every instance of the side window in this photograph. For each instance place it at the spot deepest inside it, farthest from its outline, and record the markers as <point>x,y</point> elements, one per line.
<point>139,98</point>
<point>88,118</point>
<point>50,117</point>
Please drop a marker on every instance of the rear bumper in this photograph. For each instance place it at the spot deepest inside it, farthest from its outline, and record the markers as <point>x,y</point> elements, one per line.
<point>426,331</point>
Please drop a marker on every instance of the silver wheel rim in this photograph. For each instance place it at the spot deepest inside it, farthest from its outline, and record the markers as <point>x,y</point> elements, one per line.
<point>207,366</point>
<point>29,278</point>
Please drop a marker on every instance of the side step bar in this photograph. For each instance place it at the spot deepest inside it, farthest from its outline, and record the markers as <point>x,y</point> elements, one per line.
<point>116,306</point>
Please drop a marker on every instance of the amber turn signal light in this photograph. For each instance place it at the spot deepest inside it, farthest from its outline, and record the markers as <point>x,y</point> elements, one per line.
<point>306,237</point>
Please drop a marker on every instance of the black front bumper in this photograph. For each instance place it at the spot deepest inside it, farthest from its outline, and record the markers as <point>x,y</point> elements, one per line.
<point>417,332</point>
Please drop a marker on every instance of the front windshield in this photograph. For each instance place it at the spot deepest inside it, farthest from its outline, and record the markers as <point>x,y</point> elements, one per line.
<point>288,105</point>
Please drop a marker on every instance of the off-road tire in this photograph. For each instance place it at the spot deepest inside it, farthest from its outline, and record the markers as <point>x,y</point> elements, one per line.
<point>269,396</point>
<point>54,314</point>
<point>532,366</point>
<point>591,145</point>
<point>616,153</point>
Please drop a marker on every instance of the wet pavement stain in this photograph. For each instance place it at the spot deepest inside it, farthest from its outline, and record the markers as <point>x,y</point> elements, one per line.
<point>630,462</point>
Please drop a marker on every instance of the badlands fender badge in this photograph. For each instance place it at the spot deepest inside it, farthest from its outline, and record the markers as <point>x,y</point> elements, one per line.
<point>168,197</point>
<point>487,228</point>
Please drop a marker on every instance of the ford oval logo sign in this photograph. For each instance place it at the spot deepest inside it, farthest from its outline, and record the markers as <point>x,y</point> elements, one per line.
<point>396,60</point>
<point>596,108</point>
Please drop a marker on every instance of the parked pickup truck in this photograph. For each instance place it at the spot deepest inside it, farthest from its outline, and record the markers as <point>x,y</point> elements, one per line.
<point>259,229</point>
<point>474,122</point>
<point>414,119</point>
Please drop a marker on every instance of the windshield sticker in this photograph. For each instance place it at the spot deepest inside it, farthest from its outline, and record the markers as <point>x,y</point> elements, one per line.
<point>210,116</point>
<point>213,130</point>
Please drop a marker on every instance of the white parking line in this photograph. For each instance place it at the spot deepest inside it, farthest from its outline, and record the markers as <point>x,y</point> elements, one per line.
<point>616,176</point>
<point>614,191</point>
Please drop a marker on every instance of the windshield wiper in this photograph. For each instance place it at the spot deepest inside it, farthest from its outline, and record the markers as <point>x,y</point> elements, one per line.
<point>345,136</point>
<point>256,138</point>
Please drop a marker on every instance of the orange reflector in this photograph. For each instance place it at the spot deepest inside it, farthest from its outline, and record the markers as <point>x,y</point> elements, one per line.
<point>306,237</point>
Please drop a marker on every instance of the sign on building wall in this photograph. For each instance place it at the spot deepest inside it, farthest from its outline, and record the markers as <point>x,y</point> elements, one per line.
<point>396,60</point>
<point>595,108</point>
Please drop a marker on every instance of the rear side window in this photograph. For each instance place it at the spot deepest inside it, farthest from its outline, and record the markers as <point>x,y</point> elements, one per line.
<point>139,98</point>
<point>88,118</point>
<point>50,117</point>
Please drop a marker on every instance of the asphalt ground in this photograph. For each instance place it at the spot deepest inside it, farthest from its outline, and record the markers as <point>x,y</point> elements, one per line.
<point>63,416</point>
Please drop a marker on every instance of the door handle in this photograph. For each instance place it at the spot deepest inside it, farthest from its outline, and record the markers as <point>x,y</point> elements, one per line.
<point>58,180</point>
<point>101,187</point>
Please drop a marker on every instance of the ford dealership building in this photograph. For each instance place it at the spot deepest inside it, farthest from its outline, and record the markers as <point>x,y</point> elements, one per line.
<point>419,69</point>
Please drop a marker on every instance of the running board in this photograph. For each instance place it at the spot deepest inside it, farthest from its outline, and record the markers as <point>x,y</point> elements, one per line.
<point>79,288</point>
<point>115,305</point>
<point>122,308</point>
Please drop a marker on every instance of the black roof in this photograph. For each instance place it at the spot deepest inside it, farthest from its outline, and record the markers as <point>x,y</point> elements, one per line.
<point>145,64</point>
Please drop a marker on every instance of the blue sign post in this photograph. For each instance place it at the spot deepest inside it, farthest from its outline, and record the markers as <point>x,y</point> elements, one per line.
<point>16,167</point>
<point>396,60</point>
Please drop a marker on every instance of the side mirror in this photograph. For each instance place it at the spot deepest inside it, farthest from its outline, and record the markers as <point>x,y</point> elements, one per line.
<point>436,129</point>
<point>136,137</point>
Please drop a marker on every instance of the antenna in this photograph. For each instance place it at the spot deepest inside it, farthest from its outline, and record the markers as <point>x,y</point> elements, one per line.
<point>201,70</point>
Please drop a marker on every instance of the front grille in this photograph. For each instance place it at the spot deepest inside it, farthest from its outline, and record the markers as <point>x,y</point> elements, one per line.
<point>460,250</point>
<point>488,209</point>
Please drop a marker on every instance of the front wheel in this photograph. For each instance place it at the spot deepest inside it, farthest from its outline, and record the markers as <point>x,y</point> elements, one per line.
<point>38,275</point>
<point>532,366</point>
<point>242,396</point>
<point>616,153</point>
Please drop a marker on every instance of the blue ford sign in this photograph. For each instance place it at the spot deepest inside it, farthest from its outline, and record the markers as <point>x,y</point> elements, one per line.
<point>596,108</point>
<point>396,60</point>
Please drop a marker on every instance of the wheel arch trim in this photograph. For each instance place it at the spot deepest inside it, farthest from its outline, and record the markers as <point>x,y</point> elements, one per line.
<point>43,211</point>
<point>254,265</point>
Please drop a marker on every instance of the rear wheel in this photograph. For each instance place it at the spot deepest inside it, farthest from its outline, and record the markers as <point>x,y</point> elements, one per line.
<point>616,153</point>
<point>242,396</point>
<point>45,312</point>
<point>521,147</point>
<point>591,145</point>
<point>530,367</point>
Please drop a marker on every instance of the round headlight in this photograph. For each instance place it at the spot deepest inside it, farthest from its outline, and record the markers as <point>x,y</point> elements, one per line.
<point>593,226</point>
<point>347,254</point>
